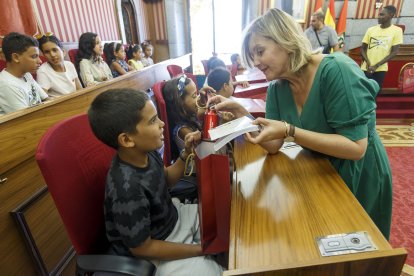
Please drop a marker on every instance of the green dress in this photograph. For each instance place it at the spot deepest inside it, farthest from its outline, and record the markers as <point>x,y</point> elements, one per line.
<point>342,101</point>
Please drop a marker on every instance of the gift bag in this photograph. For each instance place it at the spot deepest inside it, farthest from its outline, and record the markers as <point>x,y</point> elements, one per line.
<point>406,78</point>
<point>213,179</point>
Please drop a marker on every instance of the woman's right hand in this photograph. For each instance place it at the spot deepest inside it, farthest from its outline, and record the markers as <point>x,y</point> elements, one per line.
<point>221,103</point>
<point>270,130</point>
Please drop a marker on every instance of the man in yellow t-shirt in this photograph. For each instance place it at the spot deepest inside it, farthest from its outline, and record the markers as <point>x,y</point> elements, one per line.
<point>380,44</point>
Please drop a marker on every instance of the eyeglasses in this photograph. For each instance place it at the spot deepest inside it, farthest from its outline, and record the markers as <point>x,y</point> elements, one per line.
<point>39,36</point>
<point>181,85</point>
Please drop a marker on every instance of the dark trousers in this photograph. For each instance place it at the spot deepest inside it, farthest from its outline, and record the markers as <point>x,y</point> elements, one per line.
<point>377,76</point>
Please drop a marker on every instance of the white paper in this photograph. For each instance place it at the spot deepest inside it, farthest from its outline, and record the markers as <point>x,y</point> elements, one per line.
<point>230,130</point>
<point>204,149</point>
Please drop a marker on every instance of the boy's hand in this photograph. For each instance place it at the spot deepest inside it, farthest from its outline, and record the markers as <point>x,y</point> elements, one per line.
<point>191,140</point>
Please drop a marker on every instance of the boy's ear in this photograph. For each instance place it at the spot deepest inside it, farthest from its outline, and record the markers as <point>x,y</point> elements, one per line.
<point>125,141</point>
<point>15,57</point>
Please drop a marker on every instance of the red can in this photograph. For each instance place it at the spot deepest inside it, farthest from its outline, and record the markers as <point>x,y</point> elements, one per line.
<point>211,120</point>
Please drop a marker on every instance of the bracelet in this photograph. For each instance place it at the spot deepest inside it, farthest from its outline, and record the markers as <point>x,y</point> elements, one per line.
<point>287,129</point>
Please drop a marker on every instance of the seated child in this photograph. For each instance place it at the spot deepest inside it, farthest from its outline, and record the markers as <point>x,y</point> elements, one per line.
<point>220,80</point>
<point>18,89</point>
<point>56,76</point>
<point>141,218</point>
<point>236,62</point>
<point>115,57</point>
<point>214,63</point>
<point>148,51</point>
<point>134,56</point>
<point>89,64</point>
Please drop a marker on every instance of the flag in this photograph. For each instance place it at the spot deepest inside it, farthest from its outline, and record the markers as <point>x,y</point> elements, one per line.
<point>330,15</point>
<point>341,27</point>
<point>318,5</point>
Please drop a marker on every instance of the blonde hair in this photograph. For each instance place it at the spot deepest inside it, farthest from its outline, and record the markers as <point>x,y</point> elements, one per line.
<point>284,31</point>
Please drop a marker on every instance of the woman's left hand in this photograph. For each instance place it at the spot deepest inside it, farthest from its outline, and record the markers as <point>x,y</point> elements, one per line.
<point>271,130</point>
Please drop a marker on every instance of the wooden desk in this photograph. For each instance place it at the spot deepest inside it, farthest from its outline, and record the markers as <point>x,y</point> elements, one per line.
<point>256,107</point>
<point>252,75</point>
<point>254,91</point>
<point>281,203</point>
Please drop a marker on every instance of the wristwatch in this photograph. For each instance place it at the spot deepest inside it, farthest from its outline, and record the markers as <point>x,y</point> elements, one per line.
<point>290,137</point>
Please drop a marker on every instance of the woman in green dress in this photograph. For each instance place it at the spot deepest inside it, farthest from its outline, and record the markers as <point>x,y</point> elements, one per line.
<point>322,102</point>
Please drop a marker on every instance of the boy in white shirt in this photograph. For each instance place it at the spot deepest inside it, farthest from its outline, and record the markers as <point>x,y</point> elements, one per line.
<point>18,89</point>
<point>56,76</point>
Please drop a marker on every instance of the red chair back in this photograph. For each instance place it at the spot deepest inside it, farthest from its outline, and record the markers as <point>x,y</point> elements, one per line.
<point>174,70</point>
<point>74,164</point>
<point>191,76</point>
<point>162,109</point>
<point>72,55</point>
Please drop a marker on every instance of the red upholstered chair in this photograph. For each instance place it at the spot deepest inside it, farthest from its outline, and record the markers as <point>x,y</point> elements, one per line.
<point>174,70</point>
<point>191,76</point>
<point>72,55</point>
<point>74,164</point>
<point>162,112</point>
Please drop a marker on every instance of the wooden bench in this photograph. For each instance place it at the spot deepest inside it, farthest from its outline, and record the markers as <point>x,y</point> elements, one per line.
<point>405,55</point>
<point>44,247</point>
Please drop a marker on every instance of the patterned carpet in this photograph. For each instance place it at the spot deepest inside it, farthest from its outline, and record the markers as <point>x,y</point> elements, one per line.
<point>399,143</point>
<point>396,135</point>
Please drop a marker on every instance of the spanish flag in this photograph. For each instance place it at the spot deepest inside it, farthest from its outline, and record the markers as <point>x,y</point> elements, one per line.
<point>330,15</point>
<point>318,5</point>
<point>341,27</point>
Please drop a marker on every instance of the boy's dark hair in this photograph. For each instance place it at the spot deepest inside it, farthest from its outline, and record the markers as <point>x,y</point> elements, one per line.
<point>109,51</point>
<point>175,109</point>
<point>51,38</point>
<point>391,9</point>
<point>87,43</point>
<point>233,58</point>
<point>17,43</point>
<point>116,111</point>
<point>218,77</point>
<point>133,49</point>
<point>215,64</point>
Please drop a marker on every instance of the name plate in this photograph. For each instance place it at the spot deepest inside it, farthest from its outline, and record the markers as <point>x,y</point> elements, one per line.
<point>347,243</point>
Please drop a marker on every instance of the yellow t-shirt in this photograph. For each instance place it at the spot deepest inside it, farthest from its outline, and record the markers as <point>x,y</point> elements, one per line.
<point>379,43</point>
<point>136,64</point>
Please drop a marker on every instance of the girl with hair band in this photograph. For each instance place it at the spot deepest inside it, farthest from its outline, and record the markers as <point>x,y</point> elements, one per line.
<point>56,76</point>
<point>134,55</point>
<point>89,63</point>
<point>115,57</point>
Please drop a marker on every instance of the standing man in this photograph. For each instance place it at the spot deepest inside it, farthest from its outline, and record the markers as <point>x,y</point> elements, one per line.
<point>320,35</point>
<point>380,44</point>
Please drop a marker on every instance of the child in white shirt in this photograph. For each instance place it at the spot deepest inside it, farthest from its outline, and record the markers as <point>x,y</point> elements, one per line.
<point>56,76</point>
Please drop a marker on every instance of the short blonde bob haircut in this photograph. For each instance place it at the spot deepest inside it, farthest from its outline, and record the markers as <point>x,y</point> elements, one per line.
<point>284,31</point>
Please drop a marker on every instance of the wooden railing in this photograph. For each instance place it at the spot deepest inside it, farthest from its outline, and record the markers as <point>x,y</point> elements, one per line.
<point>38,243</point>
<point>390,85</point>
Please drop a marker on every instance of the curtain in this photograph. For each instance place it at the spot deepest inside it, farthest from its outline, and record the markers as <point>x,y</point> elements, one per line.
<point>17,16</point>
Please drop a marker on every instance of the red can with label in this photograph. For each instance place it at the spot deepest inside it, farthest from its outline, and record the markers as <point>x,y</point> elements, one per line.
<point>211,120</point>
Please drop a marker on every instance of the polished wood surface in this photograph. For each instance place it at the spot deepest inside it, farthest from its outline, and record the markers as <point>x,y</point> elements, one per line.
<point>282,202</point>
<point>254,91</point>
<point>20,177</point>
<point>252,75</point>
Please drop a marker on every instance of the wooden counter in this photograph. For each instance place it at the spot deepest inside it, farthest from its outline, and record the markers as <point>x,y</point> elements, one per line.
<point>282,202</point>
